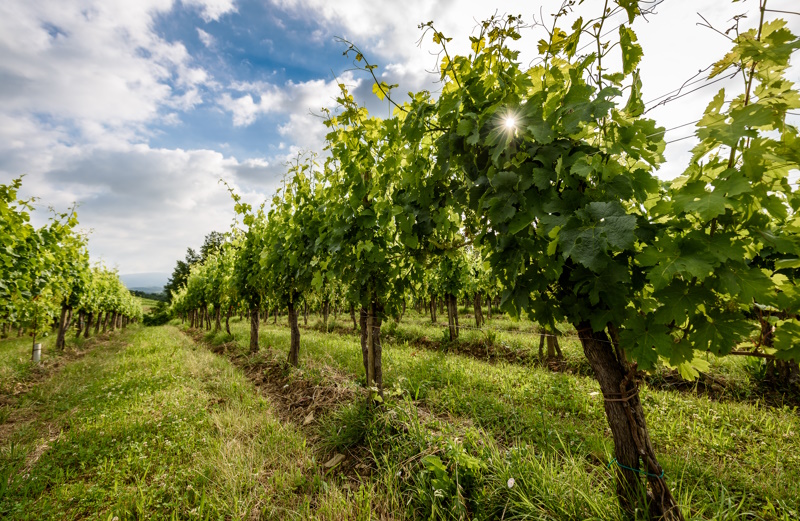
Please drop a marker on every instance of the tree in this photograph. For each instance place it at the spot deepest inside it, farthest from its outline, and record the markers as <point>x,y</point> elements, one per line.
<point>385,211</point>
<point>181,273</point>
<point>290,238</point>
<point>557,173</point>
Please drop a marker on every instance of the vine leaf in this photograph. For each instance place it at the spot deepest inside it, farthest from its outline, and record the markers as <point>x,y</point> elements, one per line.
<point>631,51</point>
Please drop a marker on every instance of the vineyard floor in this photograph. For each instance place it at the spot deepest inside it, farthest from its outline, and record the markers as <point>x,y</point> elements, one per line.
<point>152,423</point>
<point>729,458</point>
<point>503,340</point>
<point>147,425</point>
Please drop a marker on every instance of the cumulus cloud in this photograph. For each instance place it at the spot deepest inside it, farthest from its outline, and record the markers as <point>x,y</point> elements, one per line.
<point>246,108</point>
<point>301,103</point>
<point>212,10</point>
<point>98,65</point>
<point>81,83</point>
<point>146,205</point>
<point>206,38</point>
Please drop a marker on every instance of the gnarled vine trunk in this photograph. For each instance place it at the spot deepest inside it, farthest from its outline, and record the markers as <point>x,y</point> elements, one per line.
<point>63,324</point>
<point>433,309</point>
<point>79,324</point>
<point>217,318</point>
<point>294,342</point>
<point>553,349</point>
<point>89,319</point>
<point>254,330</point>
<point>452,315</point>
<point>325,311</point>
<point>228,320</point>
<point>476,305</point>
<point>628,427</point>
<point>371,345</point>
<point>783,371</point>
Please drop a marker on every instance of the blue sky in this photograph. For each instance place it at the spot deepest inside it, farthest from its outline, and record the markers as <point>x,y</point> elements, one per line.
<point>135,110</point>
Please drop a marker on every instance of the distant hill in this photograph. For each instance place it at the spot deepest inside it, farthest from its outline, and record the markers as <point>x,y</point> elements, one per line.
<point>149,290</point>
<point>160,297</point>
<point>146,282</point>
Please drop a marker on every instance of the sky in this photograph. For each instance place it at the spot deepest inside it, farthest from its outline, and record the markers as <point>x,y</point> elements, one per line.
<point>137,110</point>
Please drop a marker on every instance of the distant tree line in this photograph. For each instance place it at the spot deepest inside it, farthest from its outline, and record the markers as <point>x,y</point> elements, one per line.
<point>160,297</point>
<point>211,245</point>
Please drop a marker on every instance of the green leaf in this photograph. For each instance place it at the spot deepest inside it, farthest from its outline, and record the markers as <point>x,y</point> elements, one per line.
<point>380,90</point>
<point>666,264</point>
<point>631,7</point>
<point>631,51</point>
<point>604,227</point>
<point>718,333</point>
<point>695,197</point>
<point>787,263</point>
<point>465,126</point>
<point>521,221</point>
<point>787,339</point>
<point>411,241</point>
<point>505,181</point>
<point>635,106</point>
<point>644,340</point>
<point>681,300</point>
<point>690,370</point>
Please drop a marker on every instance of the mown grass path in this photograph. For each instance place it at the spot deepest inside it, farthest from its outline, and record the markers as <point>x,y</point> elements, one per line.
<point>151,426</point>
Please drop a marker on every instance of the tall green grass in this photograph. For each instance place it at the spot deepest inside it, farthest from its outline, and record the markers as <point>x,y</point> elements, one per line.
<point>149,426</point>
<point>727,460</point>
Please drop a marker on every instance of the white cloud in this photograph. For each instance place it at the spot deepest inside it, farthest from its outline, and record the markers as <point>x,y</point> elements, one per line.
<point>245,109</point>
<point>212,10</point>
<point>300,102</point>
<point>80,83</point>
<point>206,38</point>
<point>96,64</point>
<point>146,205</point>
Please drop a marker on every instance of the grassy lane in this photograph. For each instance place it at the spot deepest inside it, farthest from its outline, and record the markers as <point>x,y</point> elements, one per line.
<point>730,377</point>
<point>150,426</point>
<point>728,460</point>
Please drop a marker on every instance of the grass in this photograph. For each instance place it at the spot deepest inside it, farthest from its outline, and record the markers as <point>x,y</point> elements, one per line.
<point>18,373</point>
<point>501,338</point>
<point>147,304</point>
<point>148,425</point>
<point>727,460</point>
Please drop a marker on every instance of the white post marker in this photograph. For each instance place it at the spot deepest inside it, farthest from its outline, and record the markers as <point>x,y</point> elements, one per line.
<point>37,353</point>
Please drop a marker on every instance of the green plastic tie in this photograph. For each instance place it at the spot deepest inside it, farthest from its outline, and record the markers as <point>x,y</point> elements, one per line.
<point>661,476</point>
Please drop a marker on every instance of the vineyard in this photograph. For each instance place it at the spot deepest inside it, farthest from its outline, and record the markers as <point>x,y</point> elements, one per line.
<point>487,306</point>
